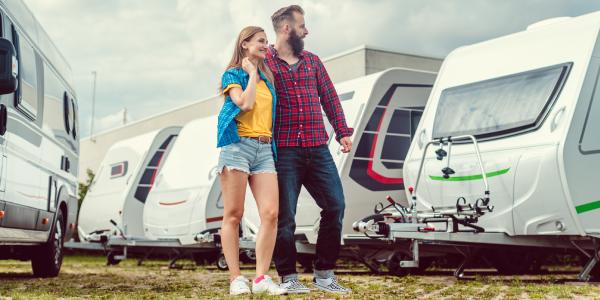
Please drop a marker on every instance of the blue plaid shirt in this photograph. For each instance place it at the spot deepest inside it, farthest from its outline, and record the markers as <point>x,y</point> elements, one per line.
<point>227,132</point>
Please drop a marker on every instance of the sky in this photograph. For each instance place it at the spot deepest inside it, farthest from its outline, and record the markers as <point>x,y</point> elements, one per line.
<point>153,55</point>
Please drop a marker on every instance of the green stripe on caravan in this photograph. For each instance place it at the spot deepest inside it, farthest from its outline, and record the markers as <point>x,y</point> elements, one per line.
<point>470,177</point>
<point>587,207</point>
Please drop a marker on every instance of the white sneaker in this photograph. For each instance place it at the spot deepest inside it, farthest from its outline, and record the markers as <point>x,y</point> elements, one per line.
<point>239,286</point>
<point>266,285</point>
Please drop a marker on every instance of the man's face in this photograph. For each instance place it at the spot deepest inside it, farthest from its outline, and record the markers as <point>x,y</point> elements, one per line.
<point>299,26</point>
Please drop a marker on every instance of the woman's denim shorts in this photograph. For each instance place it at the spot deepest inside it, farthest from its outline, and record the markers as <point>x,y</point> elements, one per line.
<point>248,156</point>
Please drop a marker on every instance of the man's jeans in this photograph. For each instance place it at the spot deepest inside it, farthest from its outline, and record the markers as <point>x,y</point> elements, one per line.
<point>314,168</point>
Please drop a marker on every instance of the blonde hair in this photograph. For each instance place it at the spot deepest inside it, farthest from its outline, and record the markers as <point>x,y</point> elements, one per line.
<point>238,53</point>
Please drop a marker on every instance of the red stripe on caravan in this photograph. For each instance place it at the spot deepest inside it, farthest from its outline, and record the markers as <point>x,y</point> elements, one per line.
<point>172,203</point>
<point>214,219</point>
<point>372,173</point>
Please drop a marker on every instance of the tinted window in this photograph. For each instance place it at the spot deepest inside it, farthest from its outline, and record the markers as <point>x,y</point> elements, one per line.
<point>27,91</point>
<point>498,106</point>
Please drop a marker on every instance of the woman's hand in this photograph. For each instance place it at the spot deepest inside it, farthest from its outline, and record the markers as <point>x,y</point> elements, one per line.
<point>248,66</point>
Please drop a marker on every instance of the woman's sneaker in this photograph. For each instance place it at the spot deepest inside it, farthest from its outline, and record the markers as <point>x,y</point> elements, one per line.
<point>294,286</point>
<point>331,285</point>
<point>265,284</point>
<point>239,286</point>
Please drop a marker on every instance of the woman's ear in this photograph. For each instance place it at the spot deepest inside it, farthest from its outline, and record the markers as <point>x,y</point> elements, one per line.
<point>245,45</point>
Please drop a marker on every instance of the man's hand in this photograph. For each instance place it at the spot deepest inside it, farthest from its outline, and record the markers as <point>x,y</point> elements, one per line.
<point>346,144</point>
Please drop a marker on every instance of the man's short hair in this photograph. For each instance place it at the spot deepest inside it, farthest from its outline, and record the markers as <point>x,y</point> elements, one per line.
<point>285,14</point>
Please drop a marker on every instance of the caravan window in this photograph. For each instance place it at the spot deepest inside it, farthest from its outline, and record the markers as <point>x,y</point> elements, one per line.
<point>147,181</point>
<point>118,170</point>
<point>500,106</point>
<point>26,95</point>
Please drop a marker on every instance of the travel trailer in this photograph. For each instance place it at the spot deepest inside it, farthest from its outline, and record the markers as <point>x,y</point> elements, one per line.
<point>114,203</point>
<point>384,109</point>
<point>505,157</point>
<point>186,203</point>
<point>39,143</point>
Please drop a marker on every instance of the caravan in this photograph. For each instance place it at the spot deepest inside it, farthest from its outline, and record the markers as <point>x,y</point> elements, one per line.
<point>186,202</point>
<point>506,154</point>
<point>121,187</point>
<point>384,109</point>
<point>39,143</point>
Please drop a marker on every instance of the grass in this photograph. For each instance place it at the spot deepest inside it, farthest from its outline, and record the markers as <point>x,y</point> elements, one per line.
<point>89,277</point>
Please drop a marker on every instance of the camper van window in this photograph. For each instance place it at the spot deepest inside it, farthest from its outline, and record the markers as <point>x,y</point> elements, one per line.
<point>400,122</point>
<point>118,170</point>
<point>496,107</point>
<point>66,113</point>
<point>27,91</point>
<point>74,119</point>
<point>415,118</point>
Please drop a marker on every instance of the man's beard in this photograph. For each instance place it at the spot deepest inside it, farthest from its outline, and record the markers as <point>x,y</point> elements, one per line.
<point>296,43</point>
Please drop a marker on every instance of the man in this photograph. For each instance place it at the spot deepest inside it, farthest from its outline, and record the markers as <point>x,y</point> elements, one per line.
<point>303,158</point>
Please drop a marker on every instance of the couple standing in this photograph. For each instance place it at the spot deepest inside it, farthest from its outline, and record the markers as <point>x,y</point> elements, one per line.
<point>273,138</point>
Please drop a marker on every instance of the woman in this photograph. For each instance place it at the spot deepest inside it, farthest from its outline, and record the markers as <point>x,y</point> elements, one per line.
<point>247,156</point>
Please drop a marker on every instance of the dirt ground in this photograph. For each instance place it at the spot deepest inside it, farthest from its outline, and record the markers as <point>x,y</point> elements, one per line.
<point>89,277</point>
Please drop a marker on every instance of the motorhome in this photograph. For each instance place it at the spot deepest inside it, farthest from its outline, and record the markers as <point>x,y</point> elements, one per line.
<point>506,153</point>
<point>39,143</point>
<point>384,109</point>
<point>114,203</point>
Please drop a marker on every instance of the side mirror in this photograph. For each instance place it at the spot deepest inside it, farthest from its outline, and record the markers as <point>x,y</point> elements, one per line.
<point>9,67</point>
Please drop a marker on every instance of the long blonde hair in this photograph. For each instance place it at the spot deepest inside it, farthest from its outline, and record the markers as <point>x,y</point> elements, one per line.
<point>238,53</point>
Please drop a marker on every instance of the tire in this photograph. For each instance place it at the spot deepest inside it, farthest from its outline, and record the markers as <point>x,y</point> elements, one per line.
<point>47,258</point>
<point>394,268</point>
<point>111,260</point>
<point>222,263</point>
<point>393,265</point>
<point>248,256</point>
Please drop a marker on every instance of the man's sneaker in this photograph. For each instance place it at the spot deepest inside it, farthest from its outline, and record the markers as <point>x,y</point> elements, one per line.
<point>266,285</point>
<point>331,285</point>
<point>294,286</point>
<point>239,286</point>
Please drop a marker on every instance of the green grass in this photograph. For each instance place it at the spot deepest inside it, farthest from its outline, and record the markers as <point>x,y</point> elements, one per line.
<point>89,277</point>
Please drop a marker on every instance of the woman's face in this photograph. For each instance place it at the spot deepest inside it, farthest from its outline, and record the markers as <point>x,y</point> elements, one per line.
<point>257,46</point>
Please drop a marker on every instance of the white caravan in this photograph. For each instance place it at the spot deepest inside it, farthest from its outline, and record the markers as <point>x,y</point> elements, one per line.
<point>39,143</point>
<point>508,149</point>
<point>384,109</point>
<point>185,203</point>
<point>120,189</point>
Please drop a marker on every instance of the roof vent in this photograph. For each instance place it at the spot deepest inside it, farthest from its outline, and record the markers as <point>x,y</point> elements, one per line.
<point>547,22</point>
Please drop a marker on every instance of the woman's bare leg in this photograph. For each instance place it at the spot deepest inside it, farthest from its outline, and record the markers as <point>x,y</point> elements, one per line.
<point>233,187</point>
<point>265,191</point>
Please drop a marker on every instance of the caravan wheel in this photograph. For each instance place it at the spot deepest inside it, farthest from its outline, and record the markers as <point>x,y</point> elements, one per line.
<point>111,260</point>
<point>222,263</point>
<point>393,265</point>
<point>248,256</point>
<point>47,259</point>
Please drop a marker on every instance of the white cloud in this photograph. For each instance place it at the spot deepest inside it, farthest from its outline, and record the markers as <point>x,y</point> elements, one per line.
<point>153,55</point>
<point>116,119</point>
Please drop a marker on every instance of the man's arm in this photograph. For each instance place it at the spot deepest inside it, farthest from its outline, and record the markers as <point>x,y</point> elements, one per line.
<point>331,104</point>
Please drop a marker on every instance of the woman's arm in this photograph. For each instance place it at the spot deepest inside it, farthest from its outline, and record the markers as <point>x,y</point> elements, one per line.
<point>245,99</point>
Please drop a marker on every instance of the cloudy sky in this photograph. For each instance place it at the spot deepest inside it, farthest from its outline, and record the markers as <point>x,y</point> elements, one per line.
<point>153,55</point>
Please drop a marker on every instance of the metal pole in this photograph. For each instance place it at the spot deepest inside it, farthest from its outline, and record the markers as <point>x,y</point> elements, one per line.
<point>94,73</point>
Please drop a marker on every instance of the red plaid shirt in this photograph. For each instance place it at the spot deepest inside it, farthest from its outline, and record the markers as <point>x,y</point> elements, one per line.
<point>301,92</point>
